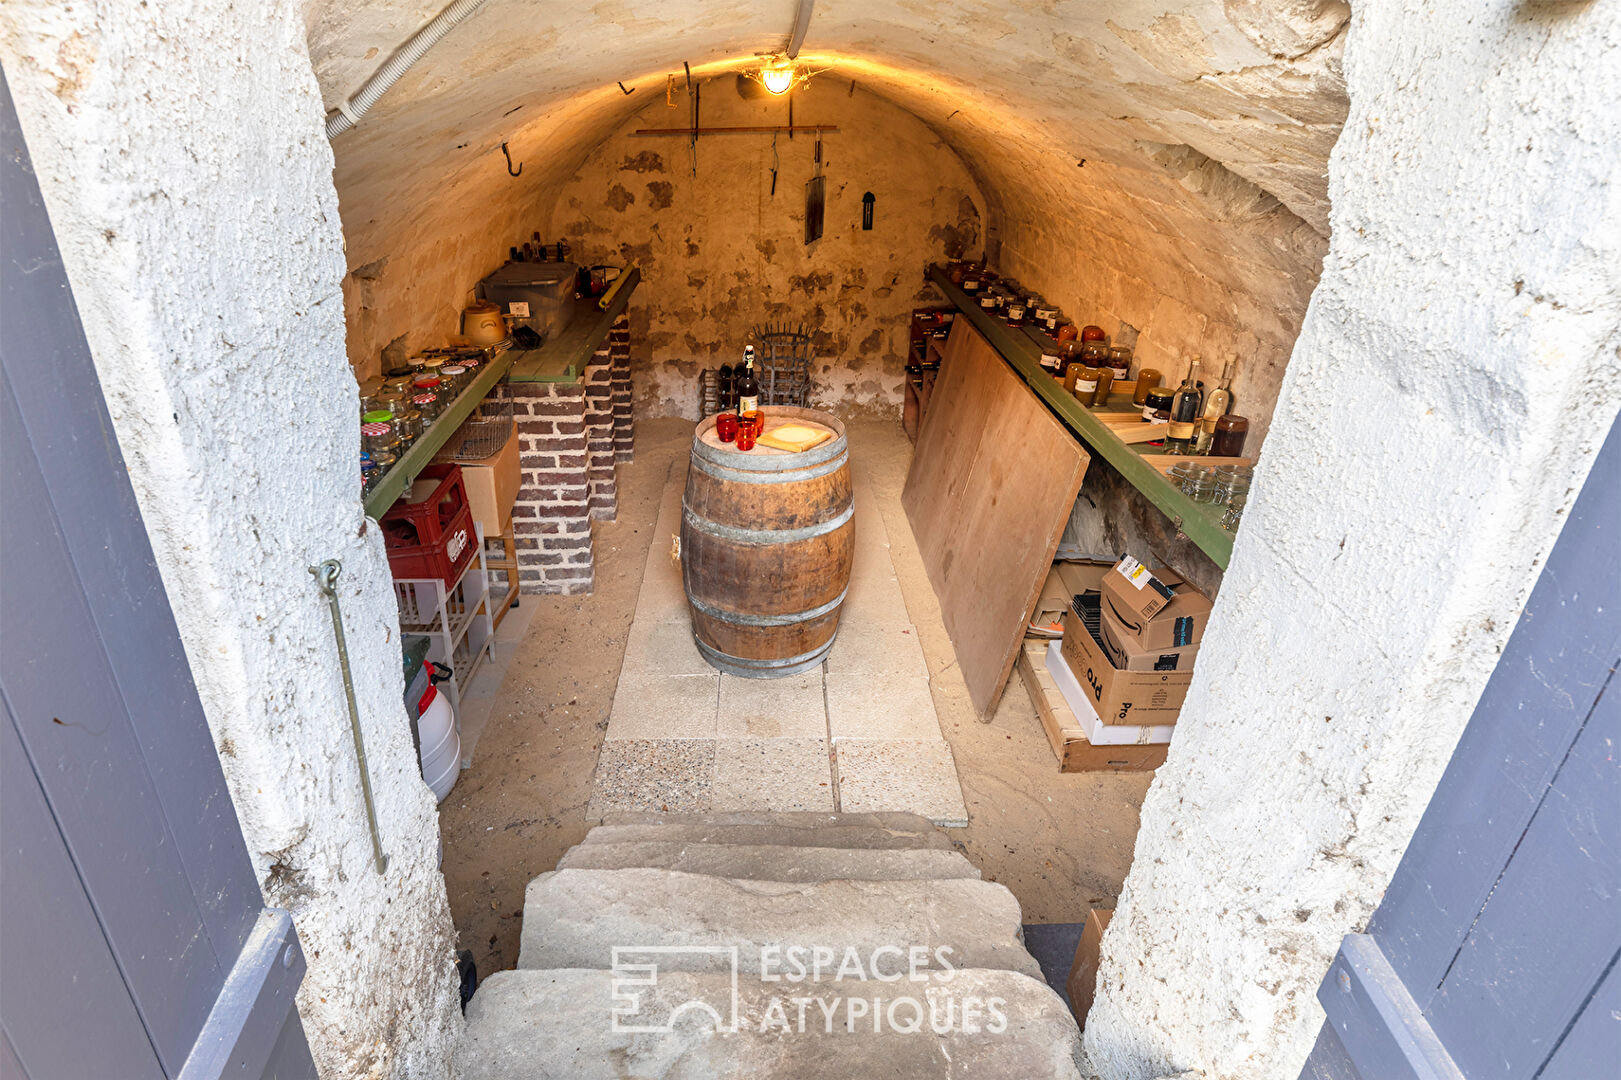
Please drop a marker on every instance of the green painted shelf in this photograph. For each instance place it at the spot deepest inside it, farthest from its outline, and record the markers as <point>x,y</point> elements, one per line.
<point>1022,349</point>
<point>398,480</point>
<point>563,358</point>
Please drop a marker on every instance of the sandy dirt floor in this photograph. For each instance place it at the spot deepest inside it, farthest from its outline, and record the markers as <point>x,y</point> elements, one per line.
<point>1061,843</point>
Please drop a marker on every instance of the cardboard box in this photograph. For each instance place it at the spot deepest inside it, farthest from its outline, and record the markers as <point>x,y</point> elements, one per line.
<point>1082,983</point>
<point>1064,581</point>
<point>1125,733</point>
<point>1127,653</point>
<point>1159,609</point>
<point>1075,752</point>
<point>492,486</point>
<point>1121,697</point>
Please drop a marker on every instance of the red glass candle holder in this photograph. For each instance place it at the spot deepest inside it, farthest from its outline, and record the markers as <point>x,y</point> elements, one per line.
<point>726,427</point>
<point>754,420</point>
<point>745,437</point>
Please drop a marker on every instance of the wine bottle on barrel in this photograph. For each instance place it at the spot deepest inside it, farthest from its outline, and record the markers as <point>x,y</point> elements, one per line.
<point>748,387</point>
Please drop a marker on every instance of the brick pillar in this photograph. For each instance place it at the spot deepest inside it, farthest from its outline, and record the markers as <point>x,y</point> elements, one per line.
<point>619,355</point>
<point>599,433</point>
<point>551,519</point>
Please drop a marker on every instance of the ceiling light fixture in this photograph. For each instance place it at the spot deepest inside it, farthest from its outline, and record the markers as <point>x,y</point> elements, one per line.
<point>778,75</point>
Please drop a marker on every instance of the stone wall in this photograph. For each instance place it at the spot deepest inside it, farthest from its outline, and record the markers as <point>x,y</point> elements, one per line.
<point>721,254</point>
<point>1458,369</point>
<point>180,151</point>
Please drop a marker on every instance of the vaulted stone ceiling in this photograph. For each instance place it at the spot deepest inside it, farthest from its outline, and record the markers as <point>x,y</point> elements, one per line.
<point>1204,126</point>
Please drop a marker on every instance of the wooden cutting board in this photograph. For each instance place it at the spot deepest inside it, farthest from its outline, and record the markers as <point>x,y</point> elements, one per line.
<point>993,479</point>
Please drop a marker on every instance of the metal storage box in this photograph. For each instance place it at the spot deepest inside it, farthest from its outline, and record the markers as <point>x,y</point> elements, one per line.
<point>547,288</point>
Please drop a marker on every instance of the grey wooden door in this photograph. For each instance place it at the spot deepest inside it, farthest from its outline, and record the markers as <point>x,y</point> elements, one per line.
<point>1493,953</point>
<point>133,938</point>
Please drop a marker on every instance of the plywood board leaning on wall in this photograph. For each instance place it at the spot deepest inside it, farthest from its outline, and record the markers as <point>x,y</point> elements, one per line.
<point>993,478</point>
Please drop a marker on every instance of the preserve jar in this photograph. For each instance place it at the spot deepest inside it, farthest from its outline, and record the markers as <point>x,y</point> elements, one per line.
<point>428,404</point>
<point>1147,379</point>
<point>1014,312</point>
<point>1086,383</point>
<point>456,376</point>
<point>1120,361</point>
<point>1094,333</point>
<point>1105,385</point>
<point>408,426</point>
<point>1228,441</point>
<point>1157,405</point>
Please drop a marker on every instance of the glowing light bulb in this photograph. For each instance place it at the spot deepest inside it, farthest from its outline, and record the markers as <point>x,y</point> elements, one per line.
<point>778,76</point>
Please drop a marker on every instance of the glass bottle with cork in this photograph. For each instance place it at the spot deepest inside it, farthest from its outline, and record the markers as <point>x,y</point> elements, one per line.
<point>1185,407</point>
<point>748,387</point>
<point>1216,405</point>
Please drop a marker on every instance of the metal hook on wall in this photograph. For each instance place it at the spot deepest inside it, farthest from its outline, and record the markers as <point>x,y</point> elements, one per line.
<point>508,155</point>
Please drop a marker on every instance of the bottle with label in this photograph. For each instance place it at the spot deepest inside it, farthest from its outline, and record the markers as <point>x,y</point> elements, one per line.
<point>1216,405</point>
<point>1184,413</point>
<point>748,388</point>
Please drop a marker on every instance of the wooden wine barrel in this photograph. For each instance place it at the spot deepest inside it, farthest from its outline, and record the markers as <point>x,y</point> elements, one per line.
<point>766,544</point>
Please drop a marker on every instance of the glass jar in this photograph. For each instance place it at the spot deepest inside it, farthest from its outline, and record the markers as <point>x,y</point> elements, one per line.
<point>394,400</point>
<point>1235,512</point>
<point>1198,482</point>
<point>1086,383</point>
<point>1105,385</point>
<point>1157,405</point>
<point>1120,361</point>
<point>1014,311</point>
<point>368,477</point>
<point>1147,379</point>
<point>1228,441</point>
<point>377,435</point>
<point>431,364</point>
<point>1231,481</point>
<point>987,302</point>
<point>456,376</point>
<point>428,404</point>
<point>408,426</point>
<point>1095,353</point>
<point>1094,333</point>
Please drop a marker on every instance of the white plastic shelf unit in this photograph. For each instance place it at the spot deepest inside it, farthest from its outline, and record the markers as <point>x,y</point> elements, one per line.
<point>458,620</point>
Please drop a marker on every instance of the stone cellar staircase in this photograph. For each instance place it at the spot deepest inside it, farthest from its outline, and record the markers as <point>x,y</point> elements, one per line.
<point>686,894</point>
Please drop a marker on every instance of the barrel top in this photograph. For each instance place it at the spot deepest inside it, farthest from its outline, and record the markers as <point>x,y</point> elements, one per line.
<point>706,445</point>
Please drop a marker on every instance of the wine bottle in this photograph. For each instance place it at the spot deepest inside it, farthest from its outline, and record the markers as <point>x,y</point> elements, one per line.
<point>725,388</point>
<point>748,388</point>
<point>1216,405</point>
<point>1184,413</point>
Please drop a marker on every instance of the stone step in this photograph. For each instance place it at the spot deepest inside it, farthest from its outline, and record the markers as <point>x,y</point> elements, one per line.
<point>876,837</point>
<point>575,918</point>
<point>561,1023</point>
<point>788,819</point>
<point>774,862</point>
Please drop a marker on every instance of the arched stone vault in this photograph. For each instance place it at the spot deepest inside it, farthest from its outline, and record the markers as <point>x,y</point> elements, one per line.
<point>1199,217</point>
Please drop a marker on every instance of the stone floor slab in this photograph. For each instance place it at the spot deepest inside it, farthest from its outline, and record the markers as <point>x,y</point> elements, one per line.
<point>663,646</point>
<point>868,648</point>
<point>774,774</point>
<point>919,775</point>
<point>656,706</point>
<point>791,708</point>
<point>881,706</point>
<point>660,775</point>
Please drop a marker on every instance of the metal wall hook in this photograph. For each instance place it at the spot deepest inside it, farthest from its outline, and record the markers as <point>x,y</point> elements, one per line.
<point>508,155</point>
<point>326,579</point>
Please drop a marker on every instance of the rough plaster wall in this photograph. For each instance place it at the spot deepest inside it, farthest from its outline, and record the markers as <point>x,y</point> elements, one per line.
<point>180,152</point>
<point>1396,526</point>
<point>1198,219</point>
<point>721,255</point>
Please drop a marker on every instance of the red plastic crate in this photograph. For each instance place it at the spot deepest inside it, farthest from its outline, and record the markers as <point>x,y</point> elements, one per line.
<point>434,537</point>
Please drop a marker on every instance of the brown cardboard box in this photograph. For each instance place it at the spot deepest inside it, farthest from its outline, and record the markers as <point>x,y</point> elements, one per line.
<point>1160,610</point>
<point>1064,581</point>
<point>1082,983</point>
<point>1128,654</point>
<point>1064,732</point>
<point>1121,697</point>
<point>492,486</point>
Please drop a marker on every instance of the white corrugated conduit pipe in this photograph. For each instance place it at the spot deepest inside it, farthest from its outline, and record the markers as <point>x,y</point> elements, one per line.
<point>348,113</point>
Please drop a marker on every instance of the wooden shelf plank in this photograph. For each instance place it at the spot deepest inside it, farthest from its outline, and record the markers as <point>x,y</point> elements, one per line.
<point>1199,522</point>
<point>398,480</point>
<point>564,357</point>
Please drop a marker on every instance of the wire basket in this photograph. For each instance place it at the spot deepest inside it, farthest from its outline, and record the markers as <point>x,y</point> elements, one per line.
<point>486,430</point>
<point>785,365</point>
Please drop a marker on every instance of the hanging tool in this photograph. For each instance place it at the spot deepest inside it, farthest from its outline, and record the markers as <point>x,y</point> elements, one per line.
<point>326,578</point>
<point>776,163</point>
<point>508,155</point>
<point>627,92</point>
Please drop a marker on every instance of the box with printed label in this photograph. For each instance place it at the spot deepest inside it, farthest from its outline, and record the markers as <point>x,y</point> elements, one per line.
<point>1128,654</point>
<point>1121,697</point>
<point>1159,609</point>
